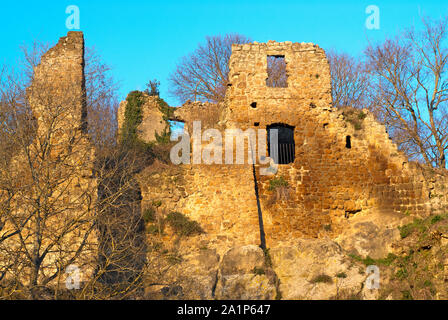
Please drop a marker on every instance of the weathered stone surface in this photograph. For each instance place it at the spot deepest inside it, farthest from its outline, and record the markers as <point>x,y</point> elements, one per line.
<point>298,265</point>
<point>193,279</point>
<point>242,260</point>
<point>243,275</point>
<point>348,182</point>
<point>372,233</point>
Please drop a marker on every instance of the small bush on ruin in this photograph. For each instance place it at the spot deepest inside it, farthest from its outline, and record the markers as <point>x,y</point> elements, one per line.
<point>276,183</point>
<point>258,271</point>
<point>354,116</point>
<point>152,88</point>
<point>322,278</point>
<point>149,215</point>
<point>182,225</point>
<point>280,191</point>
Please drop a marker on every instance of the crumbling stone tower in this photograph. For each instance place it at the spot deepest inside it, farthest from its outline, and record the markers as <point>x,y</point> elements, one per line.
<point>336,162</point>
<point>57,188</point>
<point>253,102</point>
<point>58,87</point>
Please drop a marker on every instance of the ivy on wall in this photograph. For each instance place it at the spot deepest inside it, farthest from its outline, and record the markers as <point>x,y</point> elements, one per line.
<point>133,116</point>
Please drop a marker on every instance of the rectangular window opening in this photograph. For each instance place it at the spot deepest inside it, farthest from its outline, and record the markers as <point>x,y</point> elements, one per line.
<point>277,77</point>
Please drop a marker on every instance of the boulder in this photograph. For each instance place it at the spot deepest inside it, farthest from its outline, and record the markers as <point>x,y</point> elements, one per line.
<point>244,275</point>
<point>316,269</point>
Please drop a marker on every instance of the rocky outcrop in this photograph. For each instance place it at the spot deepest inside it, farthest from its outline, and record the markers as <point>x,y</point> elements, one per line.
<point>244,275</point>
<point>299,269</point>
<point>371,233</point>
<point>316,269</point>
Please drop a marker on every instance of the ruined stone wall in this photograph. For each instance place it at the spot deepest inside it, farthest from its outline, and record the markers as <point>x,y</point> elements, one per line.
<point>152,119</point>
<point>328,182</point>
<point>220,198</point>
<point>209,114</point>
<point>309,83</point>
<point>55,190</point>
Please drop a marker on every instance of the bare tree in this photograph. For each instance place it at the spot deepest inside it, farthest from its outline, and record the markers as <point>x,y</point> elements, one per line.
<point>44,225</point>
<point>349,80</point>
<point>410,89</point>
<point>203,75</point>
<point>152,88</point>
<point>102,100</point>
<point>277,76</point>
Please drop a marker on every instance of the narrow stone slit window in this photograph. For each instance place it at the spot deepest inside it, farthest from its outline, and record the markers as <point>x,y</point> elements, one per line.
<point>348,142</point>
<point>277,77</point>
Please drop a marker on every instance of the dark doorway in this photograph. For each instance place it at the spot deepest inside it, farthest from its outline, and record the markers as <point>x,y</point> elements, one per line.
<point>284,152</point>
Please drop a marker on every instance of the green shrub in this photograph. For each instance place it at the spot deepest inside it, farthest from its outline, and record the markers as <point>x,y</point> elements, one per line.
<point>153,229</point>
<point>149,215</point>
<point>167,113</point>
<point>156,203</point>
<point>152,88</point>
<point>182,225</point>
<point>406,295</point>
<point>388,260</point>
<point>368,261</point>
<point>362,115</point>
<point>401,274</point>
<point>322,278</point>
<point>355,117</point>
<point>341,275</point>
<point>436,219</point>
<point>267,257</point>
<point>277,182</point>
<point>407,229</point>
<point>427,283</point>
<point>258,271</point>
<point>174,258</point>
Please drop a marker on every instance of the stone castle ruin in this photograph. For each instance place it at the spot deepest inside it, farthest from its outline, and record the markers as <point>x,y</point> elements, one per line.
<point>340,180</point>
<point>344,186</point>
<point>337,163</point>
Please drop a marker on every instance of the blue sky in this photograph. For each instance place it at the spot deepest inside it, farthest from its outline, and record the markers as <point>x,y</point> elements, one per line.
<point>143,40</point>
